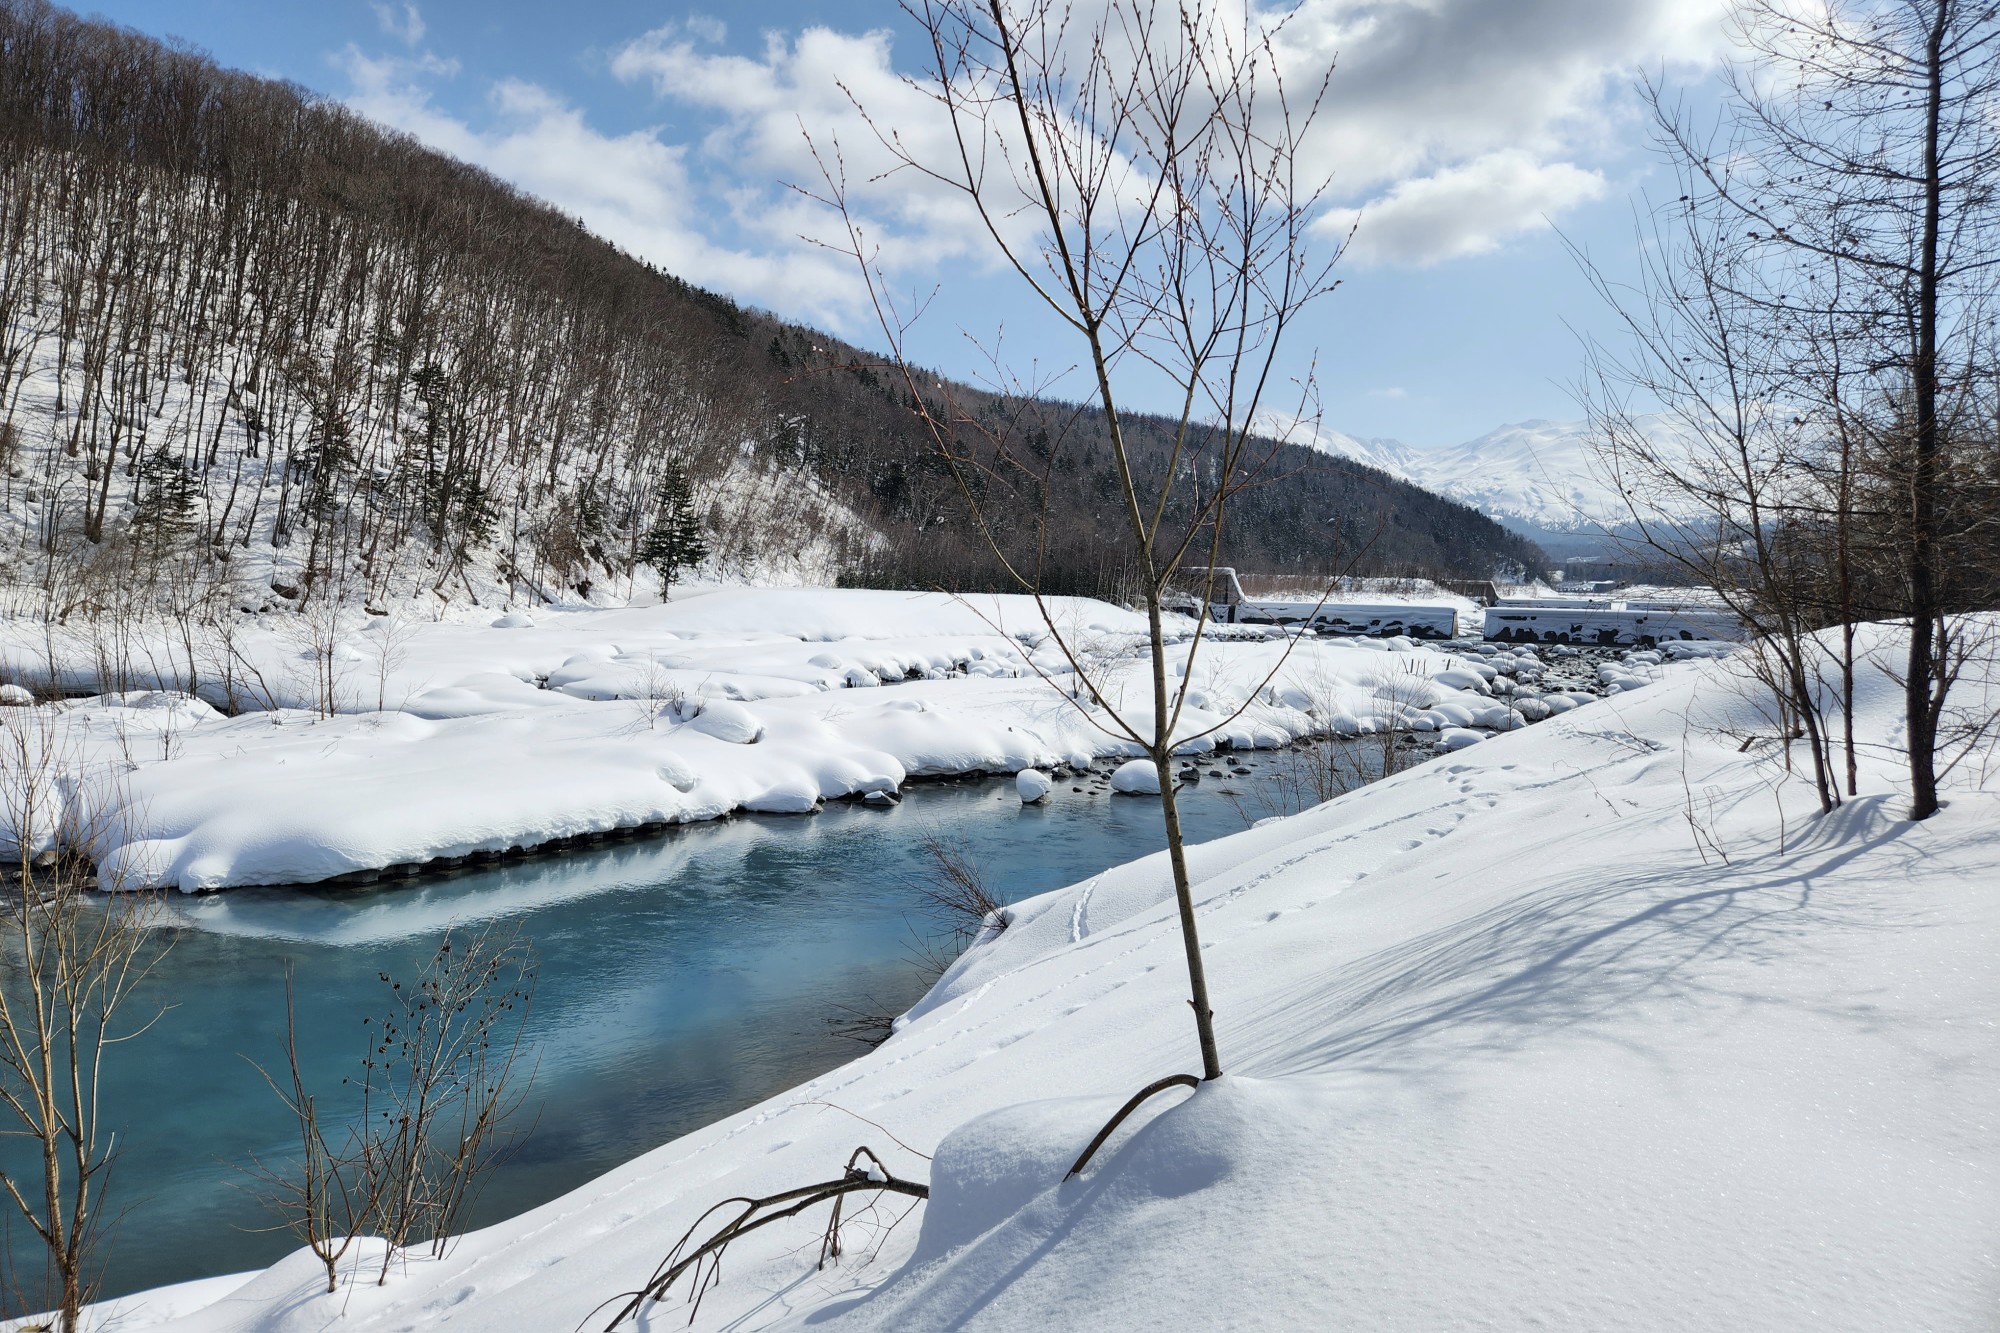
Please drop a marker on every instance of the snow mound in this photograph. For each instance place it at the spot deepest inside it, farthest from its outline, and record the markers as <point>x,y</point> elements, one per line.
<point>1122,1245</point>
<point>1136,777</point>
<point>729,722</point>
<point>1032,785</point>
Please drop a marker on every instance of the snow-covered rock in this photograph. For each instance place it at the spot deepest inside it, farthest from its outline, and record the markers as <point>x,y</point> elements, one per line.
<point>1463,678</point>
<point>1032,785</point>
<point>1136,777</point>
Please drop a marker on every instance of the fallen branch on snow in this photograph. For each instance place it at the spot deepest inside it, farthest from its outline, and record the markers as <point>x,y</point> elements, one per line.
<point>704,1262</point>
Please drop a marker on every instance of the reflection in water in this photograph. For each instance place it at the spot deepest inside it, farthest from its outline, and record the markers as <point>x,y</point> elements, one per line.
<point>680,979</point>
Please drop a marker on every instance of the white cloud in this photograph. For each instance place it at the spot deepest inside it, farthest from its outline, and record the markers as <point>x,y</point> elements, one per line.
<point>634,189</point>
<point>406,27</point>
<point>1458,122</point>
<point>1420,84</point>
<point>1453,124</point>
<point>705,28</point>
<point>806,101</point>
<point>1463,210</point>
<point>1449,126</point>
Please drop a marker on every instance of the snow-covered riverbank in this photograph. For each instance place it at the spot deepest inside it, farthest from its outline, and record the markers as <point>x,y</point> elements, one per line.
<point>374,744</point>
<point>1596,1025</point>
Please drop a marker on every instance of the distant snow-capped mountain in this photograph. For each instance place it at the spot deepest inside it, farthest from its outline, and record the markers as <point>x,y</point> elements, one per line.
<point>1538,474</point>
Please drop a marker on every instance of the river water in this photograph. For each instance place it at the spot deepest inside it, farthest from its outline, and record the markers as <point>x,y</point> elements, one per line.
<point>679,979</point>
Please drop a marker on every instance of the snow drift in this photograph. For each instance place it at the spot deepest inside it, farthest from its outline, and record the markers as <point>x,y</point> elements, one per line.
<point>368,745</point>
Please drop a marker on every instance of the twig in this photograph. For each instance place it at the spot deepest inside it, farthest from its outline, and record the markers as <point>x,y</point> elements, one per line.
<point>1139,1097</point>
<point>705,1261</point>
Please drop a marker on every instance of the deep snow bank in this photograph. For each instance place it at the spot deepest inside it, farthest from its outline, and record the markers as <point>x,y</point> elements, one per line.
<point>370,744</point>
<point>1508,1049</point>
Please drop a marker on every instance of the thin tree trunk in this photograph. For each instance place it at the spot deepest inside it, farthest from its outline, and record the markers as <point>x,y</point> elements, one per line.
<point>1163,751</point>
<point>1925,612</point>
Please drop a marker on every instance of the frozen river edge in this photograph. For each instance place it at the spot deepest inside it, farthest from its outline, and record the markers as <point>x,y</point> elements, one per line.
<point>375,748</point>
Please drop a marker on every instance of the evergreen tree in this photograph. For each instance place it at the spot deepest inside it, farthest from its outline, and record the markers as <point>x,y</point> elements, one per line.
<point>676,542</point>
<point>164,504</point>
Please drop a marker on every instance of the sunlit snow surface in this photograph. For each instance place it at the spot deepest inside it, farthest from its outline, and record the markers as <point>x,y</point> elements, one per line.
<point>1594,1025</point>
<point>449,740</point>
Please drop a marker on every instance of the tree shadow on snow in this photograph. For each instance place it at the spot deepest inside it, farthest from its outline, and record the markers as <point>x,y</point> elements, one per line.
<point>1590,946</point>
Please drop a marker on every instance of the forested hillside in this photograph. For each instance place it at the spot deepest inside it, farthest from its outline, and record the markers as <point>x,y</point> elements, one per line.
<point>249,340</point>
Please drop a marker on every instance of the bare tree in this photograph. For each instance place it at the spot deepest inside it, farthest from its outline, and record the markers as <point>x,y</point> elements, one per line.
<point>1138,169</point>
<point>73,960</point>
<point>1826,309</point>
<point>1707,461</point>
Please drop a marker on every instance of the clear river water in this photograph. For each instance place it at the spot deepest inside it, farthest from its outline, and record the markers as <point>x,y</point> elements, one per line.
<point>680,979</point>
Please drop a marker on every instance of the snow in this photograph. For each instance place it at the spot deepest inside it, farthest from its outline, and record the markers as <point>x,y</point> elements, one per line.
<point>1539,472</point>
<point>1136,777</point>
<point>376,744</point>
<point>1542,473</point>
<point>1032,785</point>
<point>1596,1024</point>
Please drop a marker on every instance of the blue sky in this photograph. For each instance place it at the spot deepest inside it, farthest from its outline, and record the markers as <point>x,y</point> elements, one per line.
<point>1461,130</point>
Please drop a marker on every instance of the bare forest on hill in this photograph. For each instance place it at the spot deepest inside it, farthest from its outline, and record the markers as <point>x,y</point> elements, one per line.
<point>253,346</point>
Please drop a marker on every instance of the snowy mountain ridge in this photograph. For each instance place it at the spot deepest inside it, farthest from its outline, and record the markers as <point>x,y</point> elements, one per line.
<point>1538,473</point>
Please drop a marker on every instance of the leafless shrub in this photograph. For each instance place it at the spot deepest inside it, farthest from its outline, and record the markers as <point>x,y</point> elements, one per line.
<point>324,654</point>
<point>323,1196</point>
<point>658,691</point>
<point>389,644</point>
<point>955,893</point>
<point>71,961</point>
<point>439,1084</point>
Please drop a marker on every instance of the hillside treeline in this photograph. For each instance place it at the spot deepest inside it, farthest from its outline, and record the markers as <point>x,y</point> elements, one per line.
<point>245,331</point>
